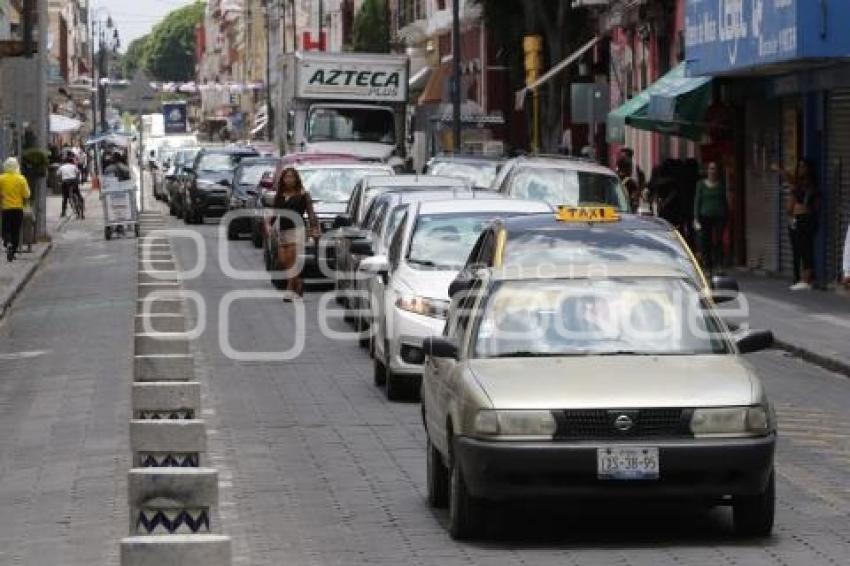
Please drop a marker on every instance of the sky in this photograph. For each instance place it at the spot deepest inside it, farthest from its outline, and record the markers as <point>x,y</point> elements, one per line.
<point>135,18</point>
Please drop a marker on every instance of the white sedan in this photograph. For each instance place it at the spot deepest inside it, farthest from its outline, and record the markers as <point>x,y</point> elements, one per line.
<point>410,283</point>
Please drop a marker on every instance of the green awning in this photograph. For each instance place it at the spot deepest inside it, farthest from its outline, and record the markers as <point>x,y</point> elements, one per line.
<point>674,104</point>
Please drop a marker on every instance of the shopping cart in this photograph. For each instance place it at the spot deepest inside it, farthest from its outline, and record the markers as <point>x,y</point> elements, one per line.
<point>120,214</point>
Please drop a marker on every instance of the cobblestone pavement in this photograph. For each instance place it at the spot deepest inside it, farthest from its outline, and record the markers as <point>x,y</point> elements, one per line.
<point>318,468</point>
<point>65,370</point>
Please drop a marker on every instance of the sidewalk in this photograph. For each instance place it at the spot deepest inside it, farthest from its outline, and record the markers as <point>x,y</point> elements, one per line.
<point>14,276</point>
<point>812,324</point>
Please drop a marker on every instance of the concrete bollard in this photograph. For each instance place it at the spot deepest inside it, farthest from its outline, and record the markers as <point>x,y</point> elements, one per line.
<point>164,367</point>
<point>168,443</point>
<point>172,501</point>
<point>153,344</point>
<point>176,550</point>
<point>166,400</point>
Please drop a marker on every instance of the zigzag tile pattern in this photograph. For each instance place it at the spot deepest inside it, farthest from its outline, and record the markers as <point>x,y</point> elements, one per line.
<point>168,415</point>
<point>173,521</point>
<point>168,460</point>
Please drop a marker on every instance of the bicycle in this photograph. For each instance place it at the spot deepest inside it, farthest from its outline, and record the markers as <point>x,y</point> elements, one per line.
<point>78,204</point>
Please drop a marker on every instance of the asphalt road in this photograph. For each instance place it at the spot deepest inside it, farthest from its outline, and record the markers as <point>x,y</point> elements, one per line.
<point>319,468</point>
<point>316,467</point>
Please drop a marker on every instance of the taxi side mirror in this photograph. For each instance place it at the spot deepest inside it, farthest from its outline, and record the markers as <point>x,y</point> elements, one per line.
<point>459,285</point>
<point>724,289</point>
<point>440,347</point>
<point>754,341</point>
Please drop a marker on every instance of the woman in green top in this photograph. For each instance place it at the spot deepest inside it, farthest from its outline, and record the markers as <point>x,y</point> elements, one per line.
<point>710,208</point>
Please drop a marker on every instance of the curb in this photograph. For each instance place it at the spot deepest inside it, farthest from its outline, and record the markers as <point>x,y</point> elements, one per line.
<point>825,362</point>
<point>20,282</point>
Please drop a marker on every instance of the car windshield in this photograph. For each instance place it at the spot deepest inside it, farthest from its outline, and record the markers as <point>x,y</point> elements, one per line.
<point>334,185</point>
<point>599,245</point>
<point>351,124</point>
<point>216,162</point>
<point>480,175</point>
<point>445,240</point>
<point>615,316</point>
<point>568,187</point>
<point>393,221</point>
<point>251,174</point>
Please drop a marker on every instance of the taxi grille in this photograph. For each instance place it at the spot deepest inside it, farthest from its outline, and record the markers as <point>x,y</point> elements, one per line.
<point>577,424</point>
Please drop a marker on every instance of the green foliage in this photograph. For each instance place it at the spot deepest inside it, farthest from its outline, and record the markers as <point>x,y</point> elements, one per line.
<point>34,162</point>
<point>132,60</point>
<point>169,52</point>
<point>370,27</point>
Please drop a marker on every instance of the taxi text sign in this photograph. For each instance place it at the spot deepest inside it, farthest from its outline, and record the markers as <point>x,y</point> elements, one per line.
<point>587,214</point>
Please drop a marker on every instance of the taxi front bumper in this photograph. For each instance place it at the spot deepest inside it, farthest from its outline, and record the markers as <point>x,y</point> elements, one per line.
<point>702,469</point>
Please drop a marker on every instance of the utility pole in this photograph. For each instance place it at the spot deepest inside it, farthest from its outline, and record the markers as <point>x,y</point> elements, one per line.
<point>294,26</point>
<point>269,109</point>
<point>94,78</point>
<point>321,24</point>
<point>456,125</point>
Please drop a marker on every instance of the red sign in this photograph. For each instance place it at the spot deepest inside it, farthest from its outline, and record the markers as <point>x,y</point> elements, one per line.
<point>307,43</point>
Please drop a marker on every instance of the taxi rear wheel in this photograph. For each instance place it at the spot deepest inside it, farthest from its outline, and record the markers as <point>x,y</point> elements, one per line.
<point>752,516</point>
<point>464,510</point>
<point>438,477</point>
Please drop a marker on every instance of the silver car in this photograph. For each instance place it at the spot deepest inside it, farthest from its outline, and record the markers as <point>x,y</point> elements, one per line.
<point>584,382</point>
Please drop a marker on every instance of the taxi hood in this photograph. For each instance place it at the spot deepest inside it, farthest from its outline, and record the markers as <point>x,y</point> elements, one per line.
<point>432,283</point>
<point>622,382</point>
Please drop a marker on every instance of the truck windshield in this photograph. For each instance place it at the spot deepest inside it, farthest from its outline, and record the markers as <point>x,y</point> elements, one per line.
<point>351,124</point>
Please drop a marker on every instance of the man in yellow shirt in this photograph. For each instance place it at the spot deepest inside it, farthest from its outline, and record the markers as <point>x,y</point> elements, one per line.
<point>14,192</point>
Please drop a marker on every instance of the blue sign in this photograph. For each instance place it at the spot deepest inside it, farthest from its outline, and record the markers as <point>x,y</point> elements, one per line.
<point>175,117</point>
<point>723,36</point>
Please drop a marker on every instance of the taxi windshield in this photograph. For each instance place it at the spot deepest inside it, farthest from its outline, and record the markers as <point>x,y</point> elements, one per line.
<point>480,175</point>
<point>614,316</point>
<point>568,187</point>
<point>599,245</point>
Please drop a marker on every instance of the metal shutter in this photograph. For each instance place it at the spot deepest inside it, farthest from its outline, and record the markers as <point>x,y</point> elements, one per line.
<point>791,134</point>
<point>837,183</point>
<point>762,197</point>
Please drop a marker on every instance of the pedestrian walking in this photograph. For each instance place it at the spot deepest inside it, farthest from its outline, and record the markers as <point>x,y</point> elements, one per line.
<point>802,208</point>
<point>69,176</point>
<point>291,196</point>
<point>710,212</point>
<point>14,192</point>
<point>624,172</point>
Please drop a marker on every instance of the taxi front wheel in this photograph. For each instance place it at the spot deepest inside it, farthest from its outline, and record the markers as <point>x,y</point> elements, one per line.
<point>437,477</point>
<point>752,516</point>
<point>464,510</point>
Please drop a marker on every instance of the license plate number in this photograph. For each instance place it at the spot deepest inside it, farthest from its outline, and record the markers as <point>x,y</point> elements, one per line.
<point>627,463</point>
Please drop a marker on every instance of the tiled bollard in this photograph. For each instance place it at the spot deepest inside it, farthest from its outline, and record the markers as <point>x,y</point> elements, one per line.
<point>166,400</point>
<point>168,501</point>
<point>176,550</point>
<point>168,443</point>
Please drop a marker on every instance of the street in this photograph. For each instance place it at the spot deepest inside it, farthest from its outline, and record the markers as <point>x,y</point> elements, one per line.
<point>316,466</point>
<point>319,468</point>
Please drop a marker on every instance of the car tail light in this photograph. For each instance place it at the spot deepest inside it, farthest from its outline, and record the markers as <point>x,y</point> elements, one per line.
<point>267,181</point>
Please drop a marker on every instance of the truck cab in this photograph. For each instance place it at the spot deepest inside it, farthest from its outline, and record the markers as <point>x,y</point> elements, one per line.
<point>352,103</point>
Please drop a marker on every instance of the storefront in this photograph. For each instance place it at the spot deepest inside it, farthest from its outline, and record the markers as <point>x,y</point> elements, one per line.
<point>782,61</point>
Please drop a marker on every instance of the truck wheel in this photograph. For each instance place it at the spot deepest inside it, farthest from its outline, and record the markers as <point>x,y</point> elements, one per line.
<point>752,515</point>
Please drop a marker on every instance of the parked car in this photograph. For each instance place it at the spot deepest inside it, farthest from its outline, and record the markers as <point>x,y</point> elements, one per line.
<point>258,204</point>
<point>175,178</point>
<point>159,169</point>
<point>478,170</point>
<point>410,284</point>
<point>207,189</point>
<point>350,224</point>
<point>588,384</point>
<point>561,181</point>
<point>246,187</point>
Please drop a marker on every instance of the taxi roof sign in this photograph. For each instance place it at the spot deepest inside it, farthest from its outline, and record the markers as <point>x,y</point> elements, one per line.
<point>587,214</point>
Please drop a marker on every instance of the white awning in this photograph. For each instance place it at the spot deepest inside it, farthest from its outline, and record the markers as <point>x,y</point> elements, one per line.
<point>520,94</point>
<point>63,124</point>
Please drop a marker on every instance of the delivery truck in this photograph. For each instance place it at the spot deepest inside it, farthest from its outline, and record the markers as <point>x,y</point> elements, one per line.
<point>352,103</point>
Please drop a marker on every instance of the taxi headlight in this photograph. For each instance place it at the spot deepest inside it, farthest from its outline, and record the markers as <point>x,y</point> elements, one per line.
<point>516,424</point>
<point>731,421</point>
<point>434,308</point>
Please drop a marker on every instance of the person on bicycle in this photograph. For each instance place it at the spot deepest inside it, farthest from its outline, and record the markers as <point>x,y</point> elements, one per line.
<point>69,175</point>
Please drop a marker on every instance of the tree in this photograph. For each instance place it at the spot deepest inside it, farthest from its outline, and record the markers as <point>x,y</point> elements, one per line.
<point>134,57</point>
<point>169,52</point>
<point>371,33</point>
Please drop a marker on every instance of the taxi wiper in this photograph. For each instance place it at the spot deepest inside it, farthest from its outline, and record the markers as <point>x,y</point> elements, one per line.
<point>425,262</point>
<point>525,354</point>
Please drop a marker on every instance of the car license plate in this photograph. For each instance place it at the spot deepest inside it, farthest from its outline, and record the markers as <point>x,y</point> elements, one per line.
<point>627,463</point>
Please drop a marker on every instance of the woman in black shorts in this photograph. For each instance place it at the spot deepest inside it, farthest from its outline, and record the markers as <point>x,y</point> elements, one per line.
<point>291,196</point>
